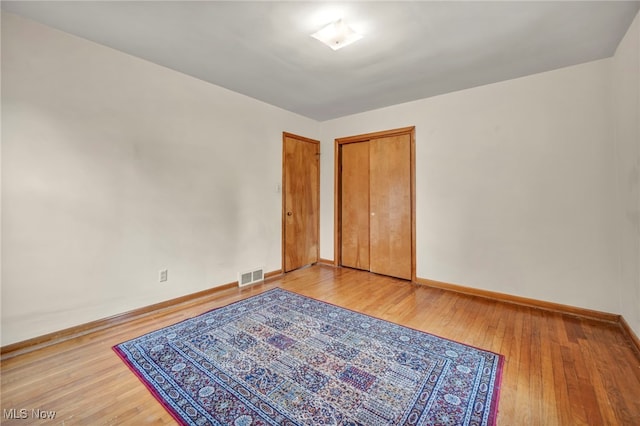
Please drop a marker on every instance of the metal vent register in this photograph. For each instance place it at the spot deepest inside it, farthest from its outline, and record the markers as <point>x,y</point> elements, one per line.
<point>250,277</point>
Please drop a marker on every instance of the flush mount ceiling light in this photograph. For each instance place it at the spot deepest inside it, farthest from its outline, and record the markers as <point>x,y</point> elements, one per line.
<point>337,35</point>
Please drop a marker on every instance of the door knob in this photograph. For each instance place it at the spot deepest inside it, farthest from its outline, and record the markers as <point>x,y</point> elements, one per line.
<point>289,213</point>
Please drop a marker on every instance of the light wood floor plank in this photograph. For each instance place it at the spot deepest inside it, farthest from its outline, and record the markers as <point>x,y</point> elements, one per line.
<point>559,370</point>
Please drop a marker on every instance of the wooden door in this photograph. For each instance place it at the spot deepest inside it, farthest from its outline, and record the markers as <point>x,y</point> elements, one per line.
<point>375,202</point>
<point>300,201</point>
<point>355,212</point>
<point>390,206</point>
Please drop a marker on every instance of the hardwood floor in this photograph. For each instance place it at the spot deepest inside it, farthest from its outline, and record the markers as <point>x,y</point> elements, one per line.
<point>559,370</point>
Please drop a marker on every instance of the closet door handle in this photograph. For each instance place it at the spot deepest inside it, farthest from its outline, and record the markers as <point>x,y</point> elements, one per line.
<point>289,214</point>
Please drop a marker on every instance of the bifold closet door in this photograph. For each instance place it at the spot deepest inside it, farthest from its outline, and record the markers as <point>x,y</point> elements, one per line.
<point>355,205</point>
<point>376,205</point>
<point>390,206</point>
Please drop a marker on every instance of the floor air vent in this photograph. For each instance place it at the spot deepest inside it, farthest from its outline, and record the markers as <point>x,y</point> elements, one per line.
<point>250,277</point>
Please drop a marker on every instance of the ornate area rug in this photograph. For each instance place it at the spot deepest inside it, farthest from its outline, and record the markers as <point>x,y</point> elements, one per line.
<point>280,358</point>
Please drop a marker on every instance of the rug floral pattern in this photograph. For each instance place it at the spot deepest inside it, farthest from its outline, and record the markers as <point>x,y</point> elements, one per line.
<point>280,358</point>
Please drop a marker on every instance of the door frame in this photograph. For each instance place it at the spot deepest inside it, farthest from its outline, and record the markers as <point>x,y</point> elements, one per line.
<point>286,135</point>
<point>337,188</point>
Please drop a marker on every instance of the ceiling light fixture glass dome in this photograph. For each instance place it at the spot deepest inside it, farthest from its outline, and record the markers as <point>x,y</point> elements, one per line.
<point>337,35</point>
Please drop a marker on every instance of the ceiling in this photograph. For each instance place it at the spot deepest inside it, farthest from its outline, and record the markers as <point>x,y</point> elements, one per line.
<point>410,50</point>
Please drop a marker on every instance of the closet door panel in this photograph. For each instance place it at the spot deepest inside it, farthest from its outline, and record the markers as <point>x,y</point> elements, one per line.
<point>390,206</point>
<point>355,205</point>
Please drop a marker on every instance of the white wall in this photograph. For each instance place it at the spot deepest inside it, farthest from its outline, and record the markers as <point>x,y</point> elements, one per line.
<point>626,83</point>
<point>513,185</point>
<point>114,168</point>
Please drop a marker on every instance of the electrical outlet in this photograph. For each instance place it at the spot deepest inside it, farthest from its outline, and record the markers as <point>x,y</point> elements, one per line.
<point>164,275</point>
